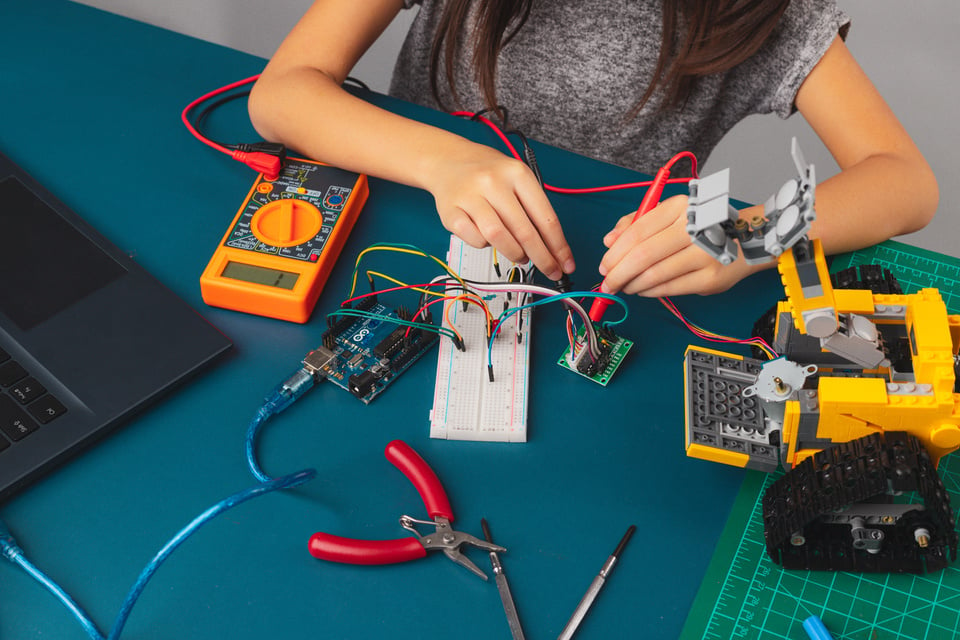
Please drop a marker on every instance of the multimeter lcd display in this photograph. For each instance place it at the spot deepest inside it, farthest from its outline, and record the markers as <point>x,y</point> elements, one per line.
<point>260,275</point>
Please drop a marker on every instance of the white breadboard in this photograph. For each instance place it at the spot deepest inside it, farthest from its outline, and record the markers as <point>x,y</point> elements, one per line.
<point>466,405</point>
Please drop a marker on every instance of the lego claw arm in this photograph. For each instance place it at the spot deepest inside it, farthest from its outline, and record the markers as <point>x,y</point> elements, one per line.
<point>781,234</point>
<point>715,225</point>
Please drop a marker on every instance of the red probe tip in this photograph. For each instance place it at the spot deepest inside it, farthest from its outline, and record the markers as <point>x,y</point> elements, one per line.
<point>598,308</point>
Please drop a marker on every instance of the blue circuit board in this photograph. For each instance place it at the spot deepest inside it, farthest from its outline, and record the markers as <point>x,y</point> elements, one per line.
<point>370,352</point>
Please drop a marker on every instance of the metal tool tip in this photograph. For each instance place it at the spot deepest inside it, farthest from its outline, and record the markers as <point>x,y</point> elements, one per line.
<point>486,530</point>
<point>624,540</point>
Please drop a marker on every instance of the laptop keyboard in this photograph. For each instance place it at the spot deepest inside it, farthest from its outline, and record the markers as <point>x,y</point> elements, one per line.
<point>25,405</point>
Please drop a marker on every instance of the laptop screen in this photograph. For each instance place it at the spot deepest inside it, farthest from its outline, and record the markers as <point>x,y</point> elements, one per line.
<point>47,263</point>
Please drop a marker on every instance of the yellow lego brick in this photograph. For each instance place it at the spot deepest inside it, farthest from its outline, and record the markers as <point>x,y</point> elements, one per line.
<point>842,428</point>
<point>788,429</point>
<point>853,407</point>
<point>926,322</point>
<point>849,394</point>
<point>857,301</point>
<point>789,276</point>
<point>802,455</point>
<point>935,369</point>
<point>722,456</point>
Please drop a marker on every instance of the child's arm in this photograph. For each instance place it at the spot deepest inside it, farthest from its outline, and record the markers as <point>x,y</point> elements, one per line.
<point>885,188</point>
<point>482,195</point>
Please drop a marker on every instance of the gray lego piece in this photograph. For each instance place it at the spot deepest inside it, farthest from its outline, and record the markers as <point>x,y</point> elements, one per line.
<point>718,414</point>
<point>851,343</point>
<point>809,420</point>
<point>889,312</point>
<point>786,218</point>
<point>708,210</point>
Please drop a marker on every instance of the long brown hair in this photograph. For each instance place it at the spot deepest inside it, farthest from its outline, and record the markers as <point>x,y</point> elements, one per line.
<point>700,37</point>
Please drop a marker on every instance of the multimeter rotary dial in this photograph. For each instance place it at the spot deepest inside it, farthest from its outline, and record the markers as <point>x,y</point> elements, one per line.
<point>287,222</point>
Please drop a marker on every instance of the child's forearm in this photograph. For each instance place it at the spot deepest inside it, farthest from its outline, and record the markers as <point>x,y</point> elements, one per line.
<point>878,198</point>
<point>307,111</point>
<point>481,194</point>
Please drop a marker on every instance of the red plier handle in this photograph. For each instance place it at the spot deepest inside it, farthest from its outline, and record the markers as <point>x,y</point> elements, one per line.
<point>353,551</point>
<point>423,478</point>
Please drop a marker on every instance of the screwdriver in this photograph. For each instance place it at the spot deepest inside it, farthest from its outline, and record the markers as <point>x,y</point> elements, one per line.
<point>513,620</point>
<point>587,601</point>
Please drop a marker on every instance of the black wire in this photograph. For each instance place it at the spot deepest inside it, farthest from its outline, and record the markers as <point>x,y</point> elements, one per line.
<point>210,108</point>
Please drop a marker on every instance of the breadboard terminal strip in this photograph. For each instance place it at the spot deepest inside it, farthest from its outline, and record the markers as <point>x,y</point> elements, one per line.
<point>467,405</point>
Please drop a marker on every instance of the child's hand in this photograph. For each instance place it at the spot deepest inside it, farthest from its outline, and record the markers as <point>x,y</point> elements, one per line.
<point>487,198</point>
<point>655,257</point>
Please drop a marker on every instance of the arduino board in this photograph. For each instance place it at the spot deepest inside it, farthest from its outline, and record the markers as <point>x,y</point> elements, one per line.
<point>365,353</point>
<point>280,248</point>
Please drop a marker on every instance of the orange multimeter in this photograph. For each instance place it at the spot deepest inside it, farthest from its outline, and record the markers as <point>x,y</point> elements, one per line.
<point>283,242</point>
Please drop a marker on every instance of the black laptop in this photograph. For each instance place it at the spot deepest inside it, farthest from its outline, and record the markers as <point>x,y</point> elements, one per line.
<point>87,336</point>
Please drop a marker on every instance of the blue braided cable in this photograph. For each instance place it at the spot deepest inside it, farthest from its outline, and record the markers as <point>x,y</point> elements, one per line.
<point>284,395</point>
<point>250,444</point>
<point>12,552</point>
<point>284,482</point>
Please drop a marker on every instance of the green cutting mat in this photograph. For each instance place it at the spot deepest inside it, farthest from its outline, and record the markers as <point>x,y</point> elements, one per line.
<point>744,595</point>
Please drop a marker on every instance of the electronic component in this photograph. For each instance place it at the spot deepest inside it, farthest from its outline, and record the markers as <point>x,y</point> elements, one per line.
<point>467,405</point>
<point>279,250</point>
<point>613,349</point>
<point>365,354</point>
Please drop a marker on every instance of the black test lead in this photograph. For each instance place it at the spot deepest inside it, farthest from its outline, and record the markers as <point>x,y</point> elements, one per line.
<point>513,620</point>
<point>581,611</point>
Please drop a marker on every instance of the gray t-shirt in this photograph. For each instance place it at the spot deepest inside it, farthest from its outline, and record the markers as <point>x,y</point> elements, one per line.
<point>577,67</point>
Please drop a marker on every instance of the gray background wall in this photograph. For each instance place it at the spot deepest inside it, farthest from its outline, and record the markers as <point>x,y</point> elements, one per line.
<point>910,49</point>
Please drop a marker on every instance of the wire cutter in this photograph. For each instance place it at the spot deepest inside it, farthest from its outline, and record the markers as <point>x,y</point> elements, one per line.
<point>350,550</point>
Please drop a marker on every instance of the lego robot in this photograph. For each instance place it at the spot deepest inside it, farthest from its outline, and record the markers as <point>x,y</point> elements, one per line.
<point>859,406</point>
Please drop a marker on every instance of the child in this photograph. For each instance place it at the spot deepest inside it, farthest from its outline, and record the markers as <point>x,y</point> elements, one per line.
<point>601,78</point>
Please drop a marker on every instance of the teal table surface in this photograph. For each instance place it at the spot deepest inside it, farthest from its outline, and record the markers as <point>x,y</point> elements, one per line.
<point>91,105</point>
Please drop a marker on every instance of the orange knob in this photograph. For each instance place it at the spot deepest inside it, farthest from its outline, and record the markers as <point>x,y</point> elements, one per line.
<point>287,222</point>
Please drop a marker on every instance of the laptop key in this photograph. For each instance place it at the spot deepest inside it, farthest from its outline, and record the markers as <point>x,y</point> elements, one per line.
<point>46,408</point>
<point>10,372</point>
<point>14,421</point>
<point>27,390</point>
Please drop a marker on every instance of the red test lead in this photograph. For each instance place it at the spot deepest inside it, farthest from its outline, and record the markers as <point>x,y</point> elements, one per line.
<point>650,200</point>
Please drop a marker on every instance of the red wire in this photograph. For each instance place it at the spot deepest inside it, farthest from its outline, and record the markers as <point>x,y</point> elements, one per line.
<point>267,164</point>
<point>258,161</point>
<point>190,107</point>
<point>400,288</point>
<point>582,190</point>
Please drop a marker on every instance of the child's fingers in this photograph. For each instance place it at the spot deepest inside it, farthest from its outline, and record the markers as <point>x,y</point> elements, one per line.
<point>617,230</point>
<point>644,231</point>
<point>644,261</point>
<point>676,274</point>
<point>548,235</point>
<point>519,222</point>
<point>460,225</point>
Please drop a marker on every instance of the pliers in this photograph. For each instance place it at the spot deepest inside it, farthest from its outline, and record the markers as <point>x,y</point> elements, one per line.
<point>353,551</point>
